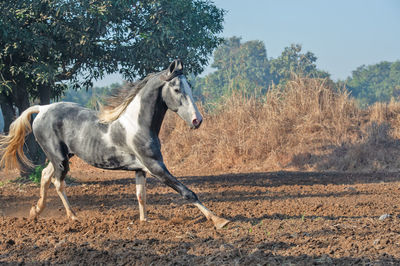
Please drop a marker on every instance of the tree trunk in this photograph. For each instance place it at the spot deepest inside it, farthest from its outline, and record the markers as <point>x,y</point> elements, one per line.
<point>44,94</point>
<point>7,110</point>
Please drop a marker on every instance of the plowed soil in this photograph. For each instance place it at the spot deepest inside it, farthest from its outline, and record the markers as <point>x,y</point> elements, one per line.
<point>277,218</point>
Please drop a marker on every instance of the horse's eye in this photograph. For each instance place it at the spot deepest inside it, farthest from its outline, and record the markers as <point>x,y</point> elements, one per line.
<point>177,90</point>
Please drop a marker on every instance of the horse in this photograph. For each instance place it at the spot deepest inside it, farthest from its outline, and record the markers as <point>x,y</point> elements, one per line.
<point>122,135</point>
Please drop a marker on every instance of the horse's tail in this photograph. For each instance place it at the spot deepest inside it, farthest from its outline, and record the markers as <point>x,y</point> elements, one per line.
<point>12,144</point>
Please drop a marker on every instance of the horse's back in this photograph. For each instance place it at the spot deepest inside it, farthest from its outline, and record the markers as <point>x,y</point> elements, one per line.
<point>64,112</point>
<point>66,123</point>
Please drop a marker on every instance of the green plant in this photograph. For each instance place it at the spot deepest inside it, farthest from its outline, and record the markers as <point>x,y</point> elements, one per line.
<point>36,175</point>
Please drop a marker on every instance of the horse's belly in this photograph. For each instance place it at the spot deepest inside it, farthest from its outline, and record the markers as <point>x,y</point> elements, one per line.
<point>113,161</point>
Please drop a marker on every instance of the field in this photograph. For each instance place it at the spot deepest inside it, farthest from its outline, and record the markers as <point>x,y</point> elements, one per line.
<point>305,176</point>
<point>277,218</point>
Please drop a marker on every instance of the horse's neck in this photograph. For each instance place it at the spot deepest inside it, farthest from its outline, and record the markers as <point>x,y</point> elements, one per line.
<point>145,113</point>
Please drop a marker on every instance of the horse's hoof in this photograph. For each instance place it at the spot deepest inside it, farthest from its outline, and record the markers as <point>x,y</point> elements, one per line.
<point>219,222</point>
<point>73,218</point>
<point>33,214</point>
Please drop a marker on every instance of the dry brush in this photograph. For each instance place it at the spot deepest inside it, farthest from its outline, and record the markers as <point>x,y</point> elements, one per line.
<point>308,125</point>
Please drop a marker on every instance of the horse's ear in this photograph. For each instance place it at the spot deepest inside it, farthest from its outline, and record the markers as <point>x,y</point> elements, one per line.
<point>176,65</point>
<point>179,65</point>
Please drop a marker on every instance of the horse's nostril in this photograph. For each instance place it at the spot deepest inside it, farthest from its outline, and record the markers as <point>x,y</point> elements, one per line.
<point>196,122</point>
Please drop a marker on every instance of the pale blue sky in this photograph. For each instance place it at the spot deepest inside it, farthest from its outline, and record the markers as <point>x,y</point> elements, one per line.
<point>343,34</point>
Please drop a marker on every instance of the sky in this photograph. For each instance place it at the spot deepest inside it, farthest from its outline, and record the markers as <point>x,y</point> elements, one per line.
<point>343,34</point>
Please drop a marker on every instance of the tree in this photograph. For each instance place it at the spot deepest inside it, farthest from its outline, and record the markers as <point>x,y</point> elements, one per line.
<point>245,67</point>
<point>373,83</point>
<point>239,67</point>
<point>293,61</point>
<point>47,44</point>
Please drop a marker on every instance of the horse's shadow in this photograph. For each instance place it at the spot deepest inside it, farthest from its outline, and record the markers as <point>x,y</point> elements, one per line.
<point>267,179</point>
<point>287,178</point>
<point>251,187</point>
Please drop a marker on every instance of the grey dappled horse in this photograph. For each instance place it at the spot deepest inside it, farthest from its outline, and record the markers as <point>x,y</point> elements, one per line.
<point>123,135</point>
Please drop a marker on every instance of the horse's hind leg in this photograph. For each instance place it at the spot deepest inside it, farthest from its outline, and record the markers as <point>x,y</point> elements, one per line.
<point>141,194</point>
<point>47,173</point>
<point>60,172</point>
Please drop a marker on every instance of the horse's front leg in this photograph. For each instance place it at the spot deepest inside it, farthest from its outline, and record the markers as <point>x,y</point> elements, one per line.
<point>141,194</point>
<point>159,170</point>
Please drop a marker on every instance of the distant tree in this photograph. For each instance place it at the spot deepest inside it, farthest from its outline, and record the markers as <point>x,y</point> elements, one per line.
<point>373,83</point>
<point>90,97</point>
<point>239,67</point>
<point>245,67</point>
<point>293,61</point>
<point>45,45</point>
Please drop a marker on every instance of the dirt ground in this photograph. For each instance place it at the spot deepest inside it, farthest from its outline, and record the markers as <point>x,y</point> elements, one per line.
<point>277,218</point>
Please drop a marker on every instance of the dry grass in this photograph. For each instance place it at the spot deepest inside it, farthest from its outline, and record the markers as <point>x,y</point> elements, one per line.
<point>306,126</point>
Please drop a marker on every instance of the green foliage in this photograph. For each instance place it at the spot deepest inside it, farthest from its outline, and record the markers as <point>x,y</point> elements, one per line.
<point>165,29</point>
<point>45,42</point>
<point>45,45</point>
<point>36,175</point>
<point>2,183</point>
<point>293,61</point>
<point>373,83</point>
<point>239,67</point>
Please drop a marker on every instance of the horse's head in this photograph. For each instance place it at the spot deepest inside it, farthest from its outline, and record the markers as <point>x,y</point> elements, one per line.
<point>177,94</point>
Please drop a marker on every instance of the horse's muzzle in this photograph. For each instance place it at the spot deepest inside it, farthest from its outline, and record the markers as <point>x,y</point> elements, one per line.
<point>196,123</point>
